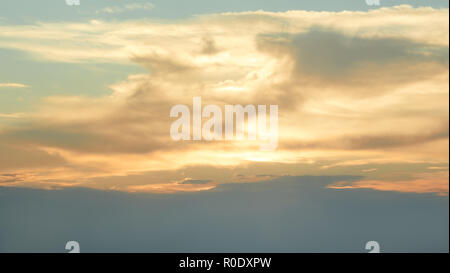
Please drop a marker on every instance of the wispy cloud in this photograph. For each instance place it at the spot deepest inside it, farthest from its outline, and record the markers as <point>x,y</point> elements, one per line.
<point>13,85</point>
<point>369,170</point>
<point>437,168</point>
<point>423,183</point>
<point>127,7</point>
<point>12,115</point>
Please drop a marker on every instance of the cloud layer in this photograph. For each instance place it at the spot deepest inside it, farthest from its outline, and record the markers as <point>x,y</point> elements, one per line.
<point>355,90</point>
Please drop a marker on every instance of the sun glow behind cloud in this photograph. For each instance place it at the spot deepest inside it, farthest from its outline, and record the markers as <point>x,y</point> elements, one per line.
<point>356,91</point>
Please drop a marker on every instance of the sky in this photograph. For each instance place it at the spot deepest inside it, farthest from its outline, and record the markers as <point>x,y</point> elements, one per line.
<point>363,112</point>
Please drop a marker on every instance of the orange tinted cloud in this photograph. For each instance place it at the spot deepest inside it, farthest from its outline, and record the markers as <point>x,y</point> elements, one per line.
<point>437,183</point>
<point>342,82</point>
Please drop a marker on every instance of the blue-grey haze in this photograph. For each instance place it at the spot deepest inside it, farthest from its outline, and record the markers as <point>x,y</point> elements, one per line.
<point>288,214</point>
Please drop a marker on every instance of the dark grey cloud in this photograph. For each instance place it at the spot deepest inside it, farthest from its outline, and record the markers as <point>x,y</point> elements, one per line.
<point>355,65</point>
<point>331,54</point>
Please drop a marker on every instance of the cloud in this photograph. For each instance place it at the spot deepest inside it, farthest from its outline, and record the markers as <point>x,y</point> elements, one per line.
<point>437,168</point>
<point>425,183</point>
<point>12,115</point>
<point>209,46</point>
<point>353,89</point>
<point>27,159</point>
<point>125,8</point>
<point>13,85</point>
<point>367,142</point>
<point>231,32</point>
<point>196,181</point>
<point>335,56</point>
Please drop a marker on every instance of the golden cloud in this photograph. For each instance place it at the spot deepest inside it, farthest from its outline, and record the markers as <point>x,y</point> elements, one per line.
<point>353,89</point>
